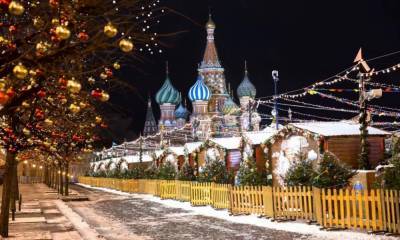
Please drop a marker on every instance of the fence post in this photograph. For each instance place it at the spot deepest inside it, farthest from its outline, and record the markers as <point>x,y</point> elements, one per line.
<point>317,209</point>
<point>230,199</point>
<point>268,201</point>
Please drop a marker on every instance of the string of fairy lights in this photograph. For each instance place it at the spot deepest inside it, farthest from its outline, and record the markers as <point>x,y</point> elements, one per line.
<point>294,102</point>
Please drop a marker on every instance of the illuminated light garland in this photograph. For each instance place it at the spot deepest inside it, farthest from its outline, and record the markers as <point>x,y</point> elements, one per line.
<point>383,71</point>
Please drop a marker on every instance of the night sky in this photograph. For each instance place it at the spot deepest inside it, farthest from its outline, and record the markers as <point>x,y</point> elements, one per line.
<point>305,40</point>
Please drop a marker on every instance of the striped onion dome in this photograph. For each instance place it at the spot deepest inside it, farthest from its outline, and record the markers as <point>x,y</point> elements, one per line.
<point>199,91</point>
<point>246,88</point>
<point>181,112</point>
<point>168,94</point>
<point>230,107</point>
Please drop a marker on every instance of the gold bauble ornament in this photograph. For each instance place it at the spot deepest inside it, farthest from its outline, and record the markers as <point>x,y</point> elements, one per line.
<point>47,144</point>
<point>98,119</point>
<point>25,104</point>
<point>74,108</point>
<point>104,97</point>
<point>42,47</point>
<point>38,22</point>
<point>73,86</point>
<point>16,8</point>
<point>48,122</point>
<point>126,45</point>
<point>3,41</point>
<point>64,101</point>
<point>26,132</point>
<point>110,30</point>
<point>91,80</point>
<point>63,32</point>
<point>82,105</point>
<point>20,71</point>
<point>116,65</point>
<point>55,21</point>
<point>103,76</point>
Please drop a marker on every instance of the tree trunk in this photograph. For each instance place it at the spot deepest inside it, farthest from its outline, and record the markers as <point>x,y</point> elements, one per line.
<point>61,185</point>
<point>6,195</point>
<point>66,179</point>
<point>14,191</point>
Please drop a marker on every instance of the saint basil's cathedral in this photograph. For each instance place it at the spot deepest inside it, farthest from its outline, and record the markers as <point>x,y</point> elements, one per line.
<point>215,113</point>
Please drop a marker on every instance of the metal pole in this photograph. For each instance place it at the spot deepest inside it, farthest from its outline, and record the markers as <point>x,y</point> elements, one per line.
<point>275,76</point>
<point>250,128</point>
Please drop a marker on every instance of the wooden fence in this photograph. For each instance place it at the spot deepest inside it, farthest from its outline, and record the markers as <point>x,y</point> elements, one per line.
<point>374,210</point>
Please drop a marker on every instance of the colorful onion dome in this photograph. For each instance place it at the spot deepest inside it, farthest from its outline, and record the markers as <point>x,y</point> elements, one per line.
<point>167,93</point>
<point>181,112</point>
<point>230,107</point>
<point>246,88</point>
<point>199,91</point>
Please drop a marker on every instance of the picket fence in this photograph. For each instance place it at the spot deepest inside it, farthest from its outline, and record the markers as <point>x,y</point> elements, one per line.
<point>376,210</point>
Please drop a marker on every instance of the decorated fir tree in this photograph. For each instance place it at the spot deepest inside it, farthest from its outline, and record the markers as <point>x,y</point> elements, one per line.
<point>167,171</point>
<point>331,173</point>
<point>151,172</point>
<point>215,171</point>
<point>248,173</point>
<point>186,173</point>
<point>300,172</point>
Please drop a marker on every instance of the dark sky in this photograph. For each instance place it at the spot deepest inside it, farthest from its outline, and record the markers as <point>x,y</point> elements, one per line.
<point>305,40</point>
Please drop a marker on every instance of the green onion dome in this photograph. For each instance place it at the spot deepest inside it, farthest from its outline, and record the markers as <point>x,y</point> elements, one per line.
<point>246,88</point>
<point>168,94</point>
<point>230,107</point>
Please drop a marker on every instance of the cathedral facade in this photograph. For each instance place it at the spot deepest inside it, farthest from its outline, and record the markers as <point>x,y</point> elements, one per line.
<point>215,113</point>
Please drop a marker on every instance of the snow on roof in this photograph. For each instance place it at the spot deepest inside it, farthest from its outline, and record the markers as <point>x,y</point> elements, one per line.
<point>179,151</point>
<point>192,146</point>
<point>260,137</point>
<point>342,128</point>
<point>136,158</point>
<point>228,142</point>
<point>158,153</point>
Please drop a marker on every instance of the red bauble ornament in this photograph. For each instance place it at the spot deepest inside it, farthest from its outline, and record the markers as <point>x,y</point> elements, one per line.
<point>12,28</point>
<point>83,36</point>
<point>5,2</point>
<point>97,93</point>
<point>62,81</point>
<point>41,93</point>
<point>54,3</point>
<point>3,98</point>
<point>10,92</point>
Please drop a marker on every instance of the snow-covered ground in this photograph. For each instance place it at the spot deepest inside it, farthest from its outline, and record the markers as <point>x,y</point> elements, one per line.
<point>294,227</point>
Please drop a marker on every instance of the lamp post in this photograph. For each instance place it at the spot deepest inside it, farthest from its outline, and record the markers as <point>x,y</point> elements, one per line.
<point>275,77</point>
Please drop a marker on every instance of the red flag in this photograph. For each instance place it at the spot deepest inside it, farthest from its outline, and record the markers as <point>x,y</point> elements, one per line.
<point>358,56</point>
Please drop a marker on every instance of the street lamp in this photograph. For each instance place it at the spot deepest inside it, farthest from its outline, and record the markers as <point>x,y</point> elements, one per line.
<point>275,77</point>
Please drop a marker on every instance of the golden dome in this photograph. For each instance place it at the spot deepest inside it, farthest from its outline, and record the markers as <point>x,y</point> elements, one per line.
<point>210,23</point>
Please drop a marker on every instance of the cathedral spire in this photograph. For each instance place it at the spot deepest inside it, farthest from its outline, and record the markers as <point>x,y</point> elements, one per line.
<point>210,59</point>
<point>150,124</point>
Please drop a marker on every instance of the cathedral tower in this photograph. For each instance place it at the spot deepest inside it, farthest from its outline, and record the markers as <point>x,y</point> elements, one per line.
<point>150,125</point>
<point>213,73</point>
<point>167,97</point>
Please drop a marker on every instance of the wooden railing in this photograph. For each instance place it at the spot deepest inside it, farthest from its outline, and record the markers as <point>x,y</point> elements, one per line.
<point>374,210</point>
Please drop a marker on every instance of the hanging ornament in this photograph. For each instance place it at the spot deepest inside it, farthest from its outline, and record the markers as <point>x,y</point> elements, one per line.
<point>82,105</point>
<point>83,37</point>
<point>26,132</point>
<point>48,122</point>
<point>91,80</point>
<point>62,32</point>
<point>54,3</point>
<point>96,93</point>
<point>42,47</point>
<point>20,71</point>
<point>5,2</point>
<point>55,21</point>
<point>41,93</point>
<point>10,92</point>
<point>126,45</point>
<point>38,22</point>
<point>98,119</point>
<point>39,113</point>
<point>73,86</point>
<point>25,104</point>
<point>110,30</point>
<point>3,98</point>
<point>104,97</point>
<point>116,65</point>
<point>74,108</point>
<point>16,8</point>
<point>103,76</point>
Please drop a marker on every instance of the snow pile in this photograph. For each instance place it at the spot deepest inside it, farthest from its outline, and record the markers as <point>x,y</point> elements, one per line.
<point>228,143</point>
